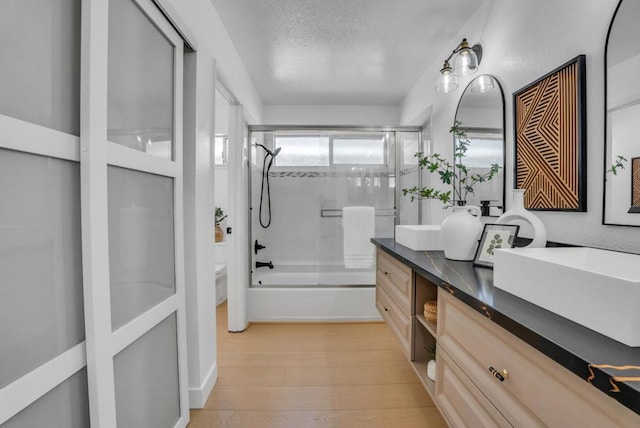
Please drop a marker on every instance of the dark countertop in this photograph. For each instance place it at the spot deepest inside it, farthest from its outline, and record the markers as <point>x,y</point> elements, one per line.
<point>569,344</point>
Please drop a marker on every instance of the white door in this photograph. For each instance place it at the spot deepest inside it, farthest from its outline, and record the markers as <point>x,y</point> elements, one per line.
<point>92,322</point>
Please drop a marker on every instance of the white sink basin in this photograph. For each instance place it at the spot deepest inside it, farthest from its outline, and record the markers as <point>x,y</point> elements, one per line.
<point>419,237</point>
<point>598,289</point>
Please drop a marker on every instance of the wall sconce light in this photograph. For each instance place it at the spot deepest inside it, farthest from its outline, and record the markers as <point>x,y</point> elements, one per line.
<point>466,62</point>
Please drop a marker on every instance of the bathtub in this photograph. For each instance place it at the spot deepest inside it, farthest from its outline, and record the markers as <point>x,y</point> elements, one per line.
<point>312,293</point>
<point>304,276</point>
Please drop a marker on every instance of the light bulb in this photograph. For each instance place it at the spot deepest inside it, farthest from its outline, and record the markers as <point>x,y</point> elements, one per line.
<point>447,81</point>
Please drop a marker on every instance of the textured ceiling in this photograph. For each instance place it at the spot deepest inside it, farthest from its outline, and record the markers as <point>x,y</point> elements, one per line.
<point>358,52</point>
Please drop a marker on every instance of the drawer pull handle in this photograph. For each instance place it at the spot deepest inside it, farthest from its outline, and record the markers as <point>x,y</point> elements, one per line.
<point>501,376</point>
<point>388,273</point>
<point>386,309</point>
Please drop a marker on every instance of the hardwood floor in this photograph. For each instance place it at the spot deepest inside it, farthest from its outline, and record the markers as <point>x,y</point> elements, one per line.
<point>314,375</point>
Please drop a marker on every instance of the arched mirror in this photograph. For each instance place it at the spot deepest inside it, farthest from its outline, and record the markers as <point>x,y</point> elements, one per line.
<point>480,116</point>
<point>622,148</point>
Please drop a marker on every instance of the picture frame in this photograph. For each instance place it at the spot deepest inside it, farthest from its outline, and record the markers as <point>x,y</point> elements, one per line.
<point>494,236</point>
<point>550,139</point>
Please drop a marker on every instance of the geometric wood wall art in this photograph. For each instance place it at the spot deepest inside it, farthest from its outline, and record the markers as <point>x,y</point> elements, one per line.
<point>635,186</point>
<point>550,139</point>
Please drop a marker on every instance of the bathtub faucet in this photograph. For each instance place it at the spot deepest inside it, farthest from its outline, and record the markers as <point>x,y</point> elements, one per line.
<point>257,247</point>
<point>268,264</point>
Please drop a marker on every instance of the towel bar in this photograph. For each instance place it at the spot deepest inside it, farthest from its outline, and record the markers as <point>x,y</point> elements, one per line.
<point>336,212</point>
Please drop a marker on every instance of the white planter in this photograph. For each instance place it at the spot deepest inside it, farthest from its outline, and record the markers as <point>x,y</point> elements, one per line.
<point>460,233</point>
<point>431,370</point>
<point>518,212</point>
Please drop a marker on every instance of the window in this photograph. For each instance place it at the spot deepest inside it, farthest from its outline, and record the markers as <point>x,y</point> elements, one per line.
<point>358,151</point>
<point>486,148</point>
<point>221,149</point>
<point>302,151</point>
<point>327,150</point>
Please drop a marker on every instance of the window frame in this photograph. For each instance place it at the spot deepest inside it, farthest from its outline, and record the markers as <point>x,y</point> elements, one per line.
<point>343,135</point>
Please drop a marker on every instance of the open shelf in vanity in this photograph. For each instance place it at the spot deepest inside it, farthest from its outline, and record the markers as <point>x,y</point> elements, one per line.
<point>424,332</point>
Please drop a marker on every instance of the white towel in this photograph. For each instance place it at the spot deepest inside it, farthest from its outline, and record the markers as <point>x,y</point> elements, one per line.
<point>358,224</point>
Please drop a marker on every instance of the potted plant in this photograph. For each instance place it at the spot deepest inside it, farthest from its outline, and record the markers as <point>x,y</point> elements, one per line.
<point>431,362</point>
<point>458,175</point>
<point>461,230</point>
<point>219,216</point>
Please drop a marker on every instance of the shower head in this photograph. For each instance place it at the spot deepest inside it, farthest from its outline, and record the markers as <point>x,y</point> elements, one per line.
<point>269,152</point>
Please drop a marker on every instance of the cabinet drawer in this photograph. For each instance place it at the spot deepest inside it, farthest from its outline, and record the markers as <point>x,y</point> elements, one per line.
<point>398,321</point>
<point>537,390</point>
<point>395,277</point>
<point>460,400</point>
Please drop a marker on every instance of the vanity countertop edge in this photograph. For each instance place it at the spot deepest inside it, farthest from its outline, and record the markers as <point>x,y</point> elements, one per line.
<point>571,345</point>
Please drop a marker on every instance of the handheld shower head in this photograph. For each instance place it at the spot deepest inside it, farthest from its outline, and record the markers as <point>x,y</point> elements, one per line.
<point>269,152</point>
<point>266,166</point>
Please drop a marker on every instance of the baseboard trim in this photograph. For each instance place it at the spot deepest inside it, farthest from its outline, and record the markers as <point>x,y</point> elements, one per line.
<point>198,396</point>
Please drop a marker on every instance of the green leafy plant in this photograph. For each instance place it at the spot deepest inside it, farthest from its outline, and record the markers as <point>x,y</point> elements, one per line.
<point>458,175</point>
<point>220,215</point>
<point>431,351</point>
<point>617,164</point>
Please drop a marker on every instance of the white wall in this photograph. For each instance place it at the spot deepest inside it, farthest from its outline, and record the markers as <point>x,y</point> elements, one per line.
<point>523,41</point>
<point>330,115</point>
<point>198,228</point>
<point>222,114</point>
<point>199,22</point>
<point>202,23</point>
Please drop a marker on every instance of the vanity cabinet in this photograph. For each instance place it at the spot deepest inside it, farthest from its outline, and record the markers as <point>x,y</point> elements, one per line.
<point>460,400</point>
<point>393,298</point>
<point>525,386</point>
<point>486,376</point>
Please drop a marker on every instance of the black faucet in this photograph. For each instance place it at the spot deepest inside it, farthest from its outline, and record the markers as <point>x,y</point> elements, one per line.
<point>485,207</point>
<point>268,264</point>
<point>257,247</point>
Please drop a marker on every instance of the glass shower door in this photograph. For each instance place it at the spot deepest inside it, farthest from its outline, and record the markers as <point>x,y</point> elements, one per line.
<point>314,174</point>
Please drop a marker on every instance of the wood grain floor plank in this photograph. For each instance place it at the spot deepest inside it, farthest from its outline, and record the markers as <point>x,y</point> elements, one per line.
<point>271,359</point>
<point>305,343</point>
<point>401,374</point>
<point>243,376</point>
<point>365,358</point>
<point>423,417</point>
<point>334,397</point>
<point>210,419</point>
<point>314,376</point>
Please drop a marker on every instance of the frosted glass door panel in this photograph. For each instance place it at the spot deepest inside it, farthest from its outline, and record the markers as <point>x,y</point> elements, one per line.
<point>141,242</point>
<point>146,379</point>
<point>66,405</point>
<point>141,82</point>
<point>41,303</point>
<point>40,57</point>
<point>409,175</point>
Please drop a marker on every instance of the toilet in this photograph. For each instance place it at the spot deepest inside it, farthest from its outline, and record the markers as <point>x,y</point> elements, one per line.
<point>220,257</point>
<point>221,283</point>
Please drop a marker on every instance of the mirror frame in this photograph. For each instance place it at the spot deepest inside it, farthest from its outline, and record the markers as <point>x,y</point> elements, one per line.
<point>504,140</point>
<point>607,125</point>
